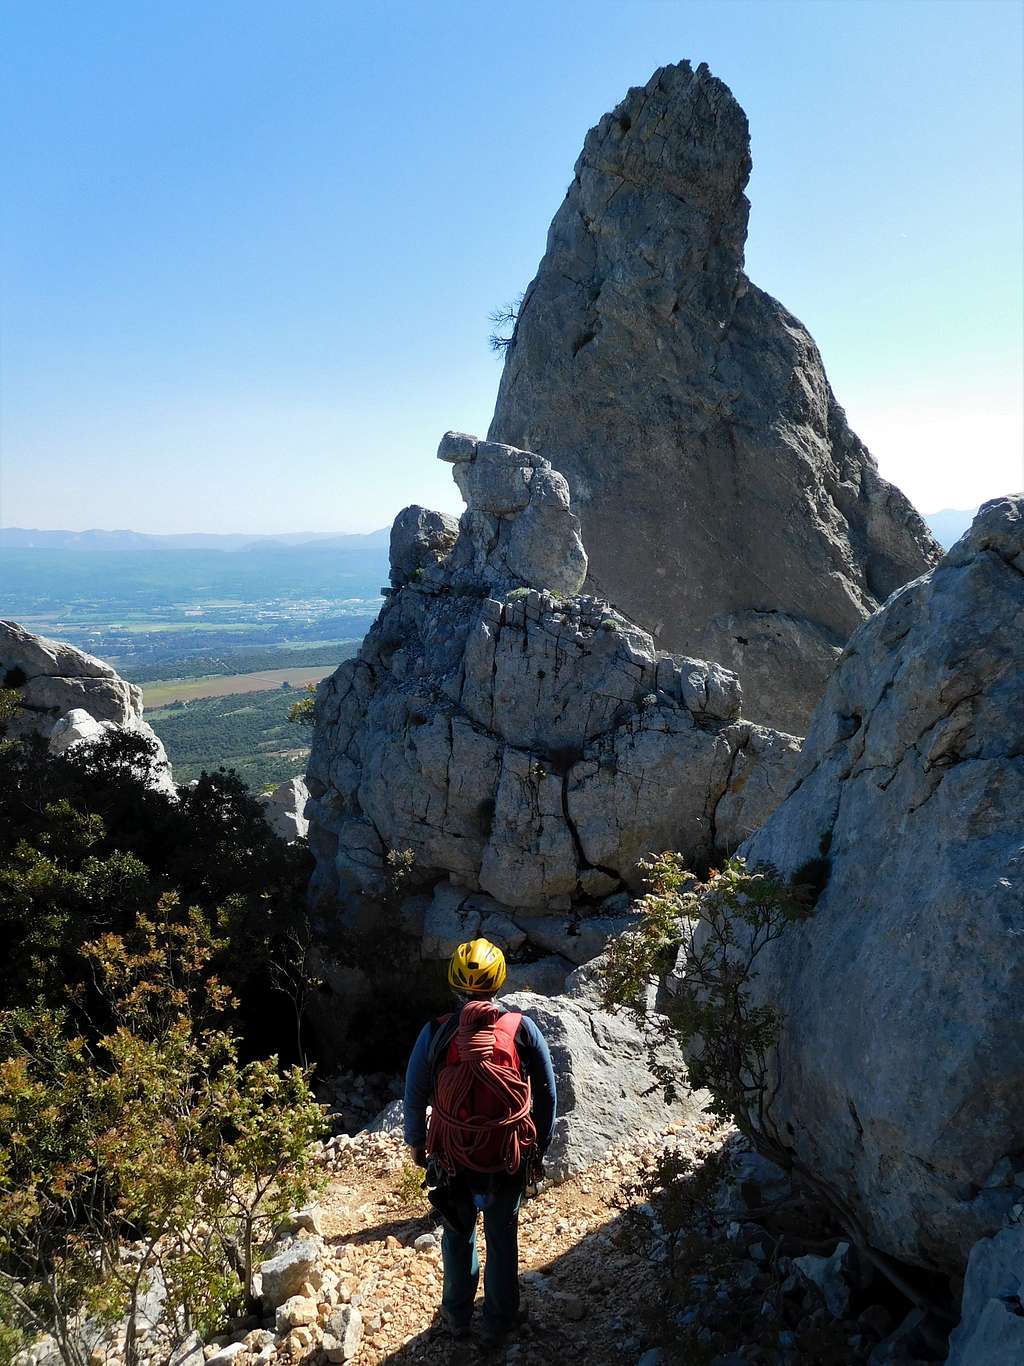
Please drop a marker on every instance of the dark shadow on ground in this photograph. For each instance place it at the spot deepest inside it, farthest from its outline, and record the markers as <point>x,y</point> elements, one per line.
<point>597,1323</point>
<point>719,1287</point>
<point>402,1229</point>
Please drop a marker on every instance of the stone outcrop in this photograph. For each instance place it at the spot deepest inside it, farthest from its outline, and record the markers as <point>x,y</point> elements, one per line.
<point>69,697</point>
<point>53,678</point>
<point>284,809</point>
<point>725,503</point>
<point>526,744</point>
<point>991,1329</point>
<point>900,1064</point>
<point>420,539</point>
<point>607,1092</point>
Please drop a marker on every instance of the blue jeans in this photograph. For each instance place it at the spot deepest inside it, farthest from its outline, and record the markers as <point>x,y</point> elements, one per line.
<point>458,1210</point>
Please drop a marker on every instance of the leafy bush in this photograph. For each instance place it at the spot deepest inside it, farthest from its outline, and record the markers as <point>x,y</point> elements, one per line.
<point>303,712</point>
<point>10,704</point>
<point>154,1133</point>
<point>409,1186</point>
<point>86,845</point>
<point>719,927</point>
<point>141,936</point>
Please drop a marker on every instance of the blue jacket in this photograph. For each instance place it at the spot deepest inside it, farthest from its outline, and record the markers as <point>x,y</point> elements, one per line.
<point>536,1061</point>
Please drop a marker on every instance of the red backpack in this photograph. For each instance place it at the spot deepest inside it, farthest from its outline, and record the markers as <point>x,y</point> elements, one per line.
<point>480,1119</point>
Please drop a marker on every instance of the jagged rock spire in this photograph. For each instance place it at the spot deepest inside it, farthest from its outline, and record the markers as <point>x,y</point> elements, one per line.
<point>725,503</point>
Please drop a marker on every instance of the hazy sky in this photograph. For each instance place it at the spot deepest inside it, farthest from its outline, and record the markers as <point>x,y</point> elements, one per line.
<point>250,248</point>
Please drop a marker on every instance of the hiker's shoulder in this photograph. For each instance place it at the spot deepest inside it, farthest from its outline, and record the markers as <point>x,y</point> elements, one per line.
<point>530,1033</point>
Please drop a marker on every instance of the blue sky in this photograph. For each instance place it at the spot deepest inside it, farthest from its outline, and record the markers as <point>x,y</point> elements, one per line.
<point>249,248</point>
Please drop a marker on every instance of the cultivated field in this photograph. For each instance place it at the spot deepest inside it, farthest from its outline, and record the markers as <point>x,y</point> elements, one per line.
<point>188,689</point>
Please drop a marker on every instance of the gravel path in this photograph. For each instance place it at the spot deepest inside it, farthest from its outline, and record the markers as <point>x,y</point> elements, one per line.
<point>590,1285</point>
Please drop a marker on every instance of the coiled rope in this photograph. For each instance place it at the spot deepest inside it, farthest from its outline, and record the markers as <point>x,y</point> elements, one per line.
<point>457,1136</point>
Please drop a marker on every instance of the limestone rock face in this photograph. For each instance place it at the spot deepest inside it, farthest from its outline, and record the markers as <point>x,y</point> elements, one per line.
<point>527,745</point>
<point>517,528</point>
<point>725,503</point>
<point>901,1057</point>
<point>71,698</point>
<point>419,538</point>
<point>284,809</point>
<point>991,1330</point>
<point>606,1089</point>
<point>53,678</point>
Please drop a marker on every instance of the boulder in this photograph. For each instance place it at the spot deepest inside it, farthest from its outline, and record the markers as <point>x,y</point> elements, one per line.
<point>543,976</point>
<point>284,809</point>
<point>53,678</point>
<point>77,727</point>
<point>70,698</point>
<point>419,539</point>
<point>832,1276</point>
<point>606,1089</point>
<point>346,1327</point>
<point>900,1065</point>
<point>390,1121</point>
<point>285,1273</point>
<point>518,528</point>
<point>226,1356</point>
<point>991,1328</point>
<point>309,1218</point>
<point>725,503</point>
<point>527,746</point>
<point>298,1311</point>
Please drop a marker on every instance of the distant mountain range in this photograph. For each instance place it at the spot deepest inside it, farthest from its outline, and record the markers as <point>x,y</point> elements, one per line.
<point>950,524</point>
<point>21,538</point>
<point>947,526</point>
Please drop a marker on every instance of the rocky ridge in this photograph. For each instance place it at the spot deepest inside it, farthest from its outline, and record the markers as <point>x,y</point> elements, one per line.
<point>726,505</point>
<point>526,745</point>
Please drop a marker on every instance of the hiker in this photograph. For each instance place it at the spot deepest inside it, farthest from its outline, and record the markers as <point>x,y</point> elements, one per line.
<point>486,1072</point>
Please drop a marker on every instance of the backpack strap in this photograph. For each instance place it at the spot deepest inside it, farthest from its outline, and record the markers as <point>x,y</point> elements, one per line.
<point>506,1030</point>
<point>447,1026</point>
<point>506,1026</point>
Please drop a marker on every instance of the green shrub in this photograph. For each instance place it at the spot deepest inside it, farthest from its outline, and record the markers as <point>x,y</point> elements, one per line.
<point>409,1186</point>
<point>303,712</point>
<point>721,925</point>
<point>86,846</point>
<point>155,1133</point>
<point>10,705</point>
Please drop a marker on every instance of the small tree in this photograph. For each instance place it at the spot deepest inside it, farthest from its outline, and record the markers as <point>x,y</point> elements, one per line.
<point>155,1136</point>
<point>303,712</point>
<point>713,932</point>
<point>505,317</point>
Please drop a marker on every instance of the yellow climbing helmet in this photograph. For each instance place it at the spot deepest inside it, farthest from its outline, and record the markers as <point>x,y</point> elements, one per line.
<point>477,968</point>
